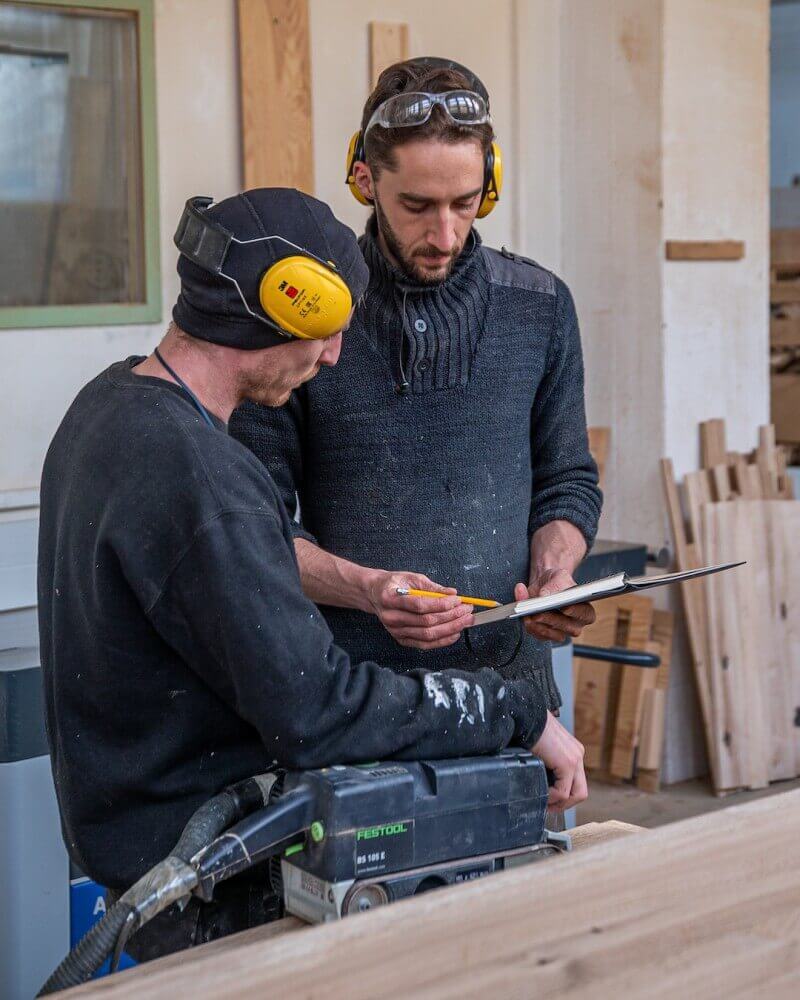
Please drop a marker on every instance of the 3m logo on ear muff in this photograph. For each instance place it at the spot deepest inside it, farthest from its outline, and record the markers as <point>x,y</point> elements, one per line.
<point>287,289</point>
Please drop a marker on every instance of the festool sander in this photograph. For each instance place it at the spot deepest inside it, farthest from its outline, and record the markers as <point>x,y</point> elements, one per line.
<point>342,840</point>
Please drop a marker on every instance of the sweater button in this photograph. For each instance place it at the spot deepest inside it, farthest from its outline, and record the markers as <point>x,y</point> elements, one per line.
<point>423,366</point>
<point>420,325</point>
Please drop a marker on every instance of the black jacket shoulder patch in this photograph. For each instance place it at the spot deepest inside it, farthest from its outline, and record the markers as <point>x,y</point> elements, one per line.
<point>515,271</point>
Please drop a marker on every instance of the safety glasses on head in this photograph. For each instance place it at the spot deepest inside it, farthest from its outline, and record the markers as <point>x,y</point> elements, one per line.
<point>463,107</point>
<point>302,295</point>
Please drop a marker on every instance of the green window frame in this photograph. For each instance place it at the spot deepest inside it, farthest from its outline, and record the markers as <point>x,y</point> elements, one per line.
<point>128,313</point>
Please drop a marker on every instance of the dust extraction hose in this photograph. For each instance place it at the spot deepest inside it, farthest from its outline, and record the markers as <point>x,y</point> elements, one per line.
<point>170,880</point>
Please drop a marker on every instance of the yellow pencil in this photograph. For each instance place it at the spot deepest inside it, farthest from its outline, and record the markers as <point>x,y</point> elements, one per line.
<point>479,602</point>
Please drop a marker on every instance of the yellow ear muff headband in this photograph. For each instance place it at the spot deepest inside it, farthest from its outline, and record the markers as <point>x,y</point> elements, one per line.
<point>302,295</point>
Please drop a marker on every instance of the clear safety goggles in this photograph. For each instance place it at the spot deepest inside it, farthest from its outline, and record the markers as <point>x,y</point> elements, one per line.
<point>463,107</point>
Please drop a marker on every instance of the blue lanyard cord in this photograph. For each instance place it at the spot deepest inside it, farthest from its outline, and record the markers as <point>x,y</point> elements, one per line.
<point>201,409</point>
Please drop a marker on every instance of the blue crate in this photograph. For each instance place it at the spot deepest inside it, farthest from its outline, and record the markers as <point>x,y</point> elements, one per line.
<point>87,904</point>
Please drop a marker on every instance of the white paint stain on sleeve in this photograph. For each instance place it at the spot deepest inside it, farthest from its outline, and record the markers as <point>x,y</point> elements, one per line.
<point>479,700</point>
<point>461,689</point>
<point>435,691</point>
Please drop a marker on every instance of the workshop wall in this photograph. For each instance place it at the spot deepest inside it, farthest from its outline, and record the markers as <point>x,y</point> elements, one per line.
<point>199,152</point>
<point>198,139</point>
<point>715,170</point>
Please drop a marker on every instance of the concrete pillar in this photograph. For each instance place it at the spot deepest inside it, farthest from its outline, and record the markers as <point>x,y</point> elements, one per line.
<point>663,118</point>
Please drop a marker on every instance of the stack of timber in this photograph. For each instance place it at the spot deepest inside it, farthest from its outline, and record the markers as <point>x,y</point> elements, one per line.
<point>599,444</point>
<point>784,336</point>
<point>619,710</point>
<point>744,625</point>
<point>705,908</point>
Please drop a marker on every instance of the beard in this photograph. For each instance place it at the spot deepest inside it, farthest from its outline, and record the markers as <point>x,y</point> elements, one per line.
<point>407,263</point>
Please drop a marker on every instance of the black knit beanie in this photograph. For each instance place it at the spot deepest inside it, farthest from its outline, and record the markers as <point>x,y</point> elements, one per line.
<point>209,307</point>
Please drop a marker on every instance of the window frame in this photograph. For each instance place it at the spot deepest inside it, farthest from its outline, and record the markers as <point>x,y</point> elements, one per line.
<point>117,313</point>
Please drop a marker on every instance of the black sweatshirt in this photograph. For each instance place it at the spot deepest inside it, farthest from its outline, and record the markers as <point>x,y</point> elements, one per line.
<point>178,650</point>
<point>452,477</point>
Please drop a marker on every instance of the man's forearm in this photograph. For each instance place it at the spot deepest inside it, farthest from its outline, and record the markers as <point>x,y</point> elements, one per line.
<point>557,545</point>
<point>328,579</point>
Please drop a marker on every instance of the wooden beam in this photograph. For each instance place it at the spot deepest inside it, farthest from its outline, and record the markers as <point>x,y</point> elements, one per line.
<point>275,87</point>
<point>704,249</point>
<point>784,246</point>
<point>706,908</point>
<point>388,44</point>
<point>784,331</point>
<point>713,449</point>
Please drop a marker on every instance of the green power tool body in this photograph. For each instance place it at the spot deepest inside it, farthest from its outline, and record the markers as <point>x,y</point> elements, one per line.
<point>341,840</point>
<point>380,832</point>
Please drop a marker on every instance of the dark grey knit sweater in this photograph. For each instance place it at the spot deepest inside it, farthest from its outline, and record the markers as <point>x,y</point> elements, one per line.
<point>452,476</point>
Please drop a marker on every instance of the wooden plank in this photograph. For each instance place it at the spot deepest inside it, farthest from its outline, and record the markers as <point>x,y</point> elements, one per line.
<point>784,245</point>
<point>755,484</point>
<point>388,44</point>
<point>721,483</point>
<point>593,684</point>
<point>785,405</point>
<point>704,249</point>
<point>599,446</point>
<point>784,331</point>
<point>693,596</point>
<point>275,94</point>
<point>785,482</point>
<point>783,626</point>
<point>712,443</point>
<point>651,743</point>
<point>651,739</point>
<point>739,644</point>
<point>767,461</point>
<point>784,293</point>
<point>636,614</point>
<point>705,909</point>
<point>740,476</point>
<point>635,683</point>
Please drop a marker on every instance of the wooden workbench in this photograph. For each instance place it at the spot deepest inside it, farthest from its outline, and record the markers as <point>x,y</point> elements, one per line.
<point>708,907</point>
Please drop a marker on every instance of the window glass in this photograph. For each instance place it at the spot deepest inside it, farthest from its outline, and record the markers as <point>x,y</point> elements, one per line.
<point>71,208</point>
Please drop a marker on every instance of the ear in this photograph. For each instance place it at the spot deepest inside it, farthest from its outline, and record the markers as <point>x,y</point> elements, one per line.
<point>363,178</point>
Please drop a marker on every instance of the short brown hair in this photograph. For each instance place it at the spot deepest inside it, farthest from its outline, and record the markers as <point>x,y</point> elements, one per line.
<point>408,77</point>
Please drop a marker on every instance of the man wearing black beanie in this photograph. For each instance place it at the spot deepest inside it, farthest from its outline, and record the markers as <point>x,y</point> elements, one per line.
<point>179,652</point>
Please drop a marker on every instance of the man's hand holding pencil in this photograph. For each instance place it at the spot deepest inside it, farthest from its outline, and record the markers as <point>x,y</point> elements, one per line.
<point>424,622</point>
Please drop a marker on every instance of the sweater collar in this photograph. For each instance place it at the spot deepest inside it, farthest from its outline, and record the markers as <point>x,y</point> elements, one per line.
<point>383,274</point>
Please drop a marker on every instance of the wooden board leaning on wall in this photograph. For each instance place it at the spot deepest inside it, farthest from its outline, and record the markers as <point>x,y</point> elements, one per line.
<point>744,627</point>
<point>619,710</point>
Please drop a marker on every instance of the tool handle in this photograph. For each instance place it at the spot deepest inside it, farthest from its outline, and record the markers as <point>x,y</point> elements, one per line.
<point>614,654</point>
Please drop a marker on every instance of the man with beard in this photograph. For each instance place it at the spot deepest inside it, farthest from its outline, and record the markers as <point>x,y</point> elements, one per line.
<point>448,450</point>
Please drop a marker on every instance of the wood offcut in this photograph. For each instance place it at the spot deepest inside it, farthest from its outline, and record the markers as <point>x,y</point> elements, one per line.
<point>743,630</point>
<point>275,89</point>
<point>388,44</point>
<point>704,249</point>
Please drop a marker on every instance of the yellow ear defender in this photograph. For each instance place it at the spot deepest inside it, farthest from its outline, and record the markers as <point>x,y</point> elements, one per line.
<point>305,297</point>
<point>492,180</point>
<point>302,295</point>
<point>355,152</point>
